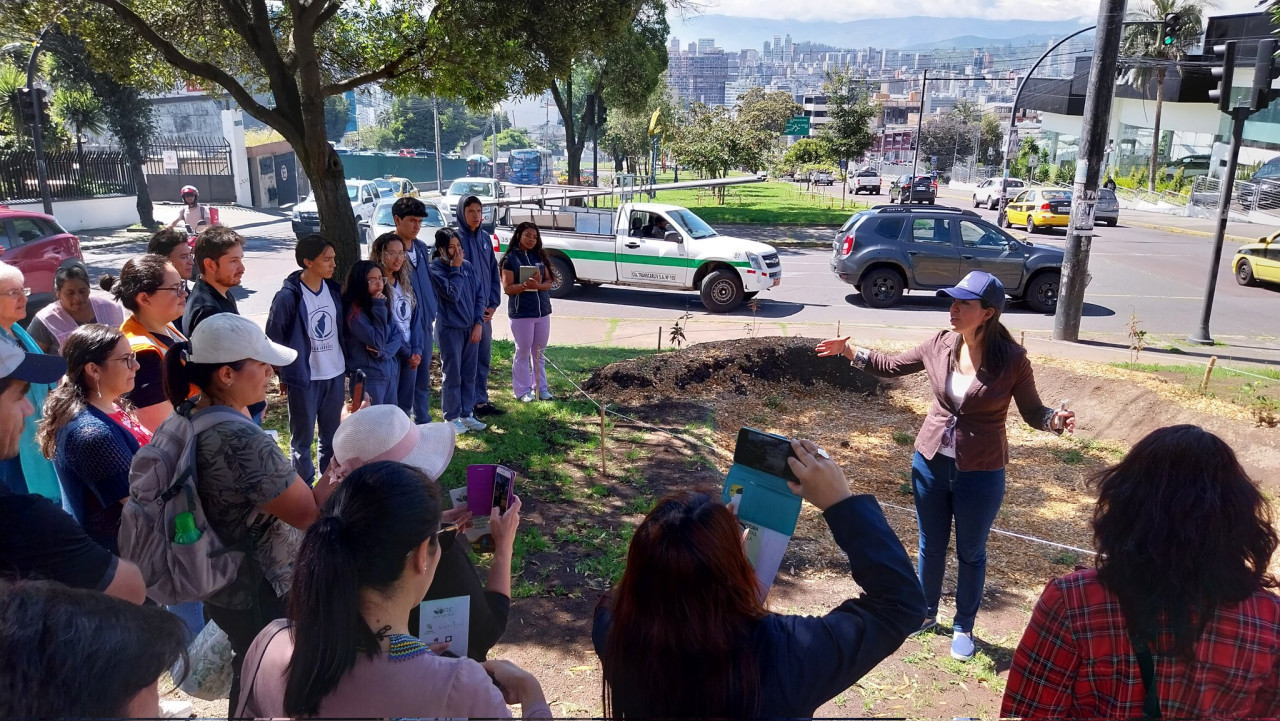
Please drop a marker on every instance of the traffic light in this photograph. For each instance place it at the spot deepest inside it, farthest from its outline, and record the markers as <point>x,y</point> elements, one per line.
<point>1265,70</point>
<point>25,109</point>
<point>589,113</point>
<point>1169,30</point>
<point>1226,54</point>
<point>42,103</point>
<point>601,112</point>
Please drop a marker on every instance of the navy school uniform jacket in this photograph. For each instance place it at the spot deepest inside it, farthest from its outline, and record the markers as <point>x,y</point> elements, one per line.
<point>458,290</point>
<point>287,326</point>
<point>374,341</point>
<point>424,295</point>
<point>477,248</point>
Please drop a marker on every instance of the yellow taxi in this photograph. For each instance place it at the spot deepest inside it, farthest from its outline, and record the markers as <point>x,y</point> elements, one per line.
<point>1258,261</point>
<point>396,187</point>
<point>1039,208</point>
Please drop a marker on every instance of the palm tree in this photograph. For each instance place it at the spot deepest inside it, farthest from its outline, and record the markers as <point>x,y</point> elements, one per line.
<point>1144,42</point>
<point>11,78</point>
<point>81,110</point>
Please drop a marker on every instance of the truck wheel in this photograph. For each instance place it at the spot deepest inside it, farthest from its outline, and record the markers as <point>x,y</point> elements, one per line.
<point>1042,293</point>
<point>722,291</point>
<point>882,288</point>
<point>563,283</point>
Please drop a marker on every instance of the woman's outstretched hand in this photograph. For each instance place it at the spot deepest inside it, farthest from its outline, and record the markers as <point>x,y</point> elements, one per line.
<point>833,346</point>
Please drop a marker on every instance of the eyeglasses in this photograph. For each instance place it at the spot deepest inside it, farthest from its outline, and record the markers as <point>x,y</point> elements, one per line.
<point>393,254</point>
<point>182,288</point>
<point>187,257</point>
<point>17,293</point>
<point>447,527</point>
<point>129,360</point>
<point>375,281</point>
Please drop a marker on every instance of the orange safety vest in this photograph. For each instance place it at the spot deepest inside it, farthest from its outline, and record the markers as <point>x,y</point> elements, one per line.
<point>142,341</point>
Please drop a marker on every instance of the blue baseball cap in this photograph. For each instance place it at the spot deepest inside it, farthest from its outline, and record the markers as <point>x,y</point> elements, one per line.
<point>980,286</point>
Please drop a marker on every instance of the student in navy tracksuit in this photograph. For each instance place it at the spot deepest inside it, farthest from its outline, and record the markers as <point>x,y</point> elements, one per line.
<point>477,245</point>
<point>373,339</point>
<point>459,328</point>
<point>306,315</point>
<point>388,252</point>
<point>407,213</point>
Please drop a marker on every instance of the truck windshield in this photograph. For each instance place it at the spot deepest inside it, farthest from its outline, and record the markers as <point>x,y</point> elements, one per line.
<point>463,188</point>
<point>692,224</point>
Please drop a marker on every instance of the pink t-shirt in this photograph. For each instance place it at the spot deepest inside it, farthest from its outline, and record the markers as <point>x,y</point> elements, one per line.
<point>421,686</point>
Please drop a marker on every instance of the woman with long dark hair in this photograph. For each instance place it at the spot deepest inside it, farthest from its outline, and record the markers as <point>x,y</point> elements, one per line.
<point>89,431</point>
<point>250,492</point>
<point>75,306</point>
<point>685,633</point>
<point>346,650</point>
<point>975,370</point>
<point>529,307</point>
<point>1184,538</point>
<point>373,338</point>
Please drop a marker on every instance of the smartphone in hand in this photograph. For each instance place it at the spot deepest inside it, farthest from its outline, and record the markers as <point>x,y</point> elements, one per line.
<point>356,381</point>
<point>767,452</point>
<point>502,479</point>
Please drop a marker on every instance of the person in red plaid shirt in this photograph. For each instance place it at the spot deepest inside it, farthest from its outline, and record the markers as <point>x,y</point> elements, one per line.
<point>1184,538</point>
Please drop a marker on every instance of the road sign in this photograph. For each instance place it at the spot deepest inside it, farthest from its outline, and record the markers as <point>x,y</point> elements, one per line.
<point>798,125</point>
<point>170,160</point>
<point>1033,160</point>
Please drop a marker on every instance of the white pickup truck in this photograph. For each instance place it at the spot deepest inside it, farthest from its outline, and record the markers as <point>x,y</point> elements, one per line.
<point>648,245</point>
<point>866,181</point>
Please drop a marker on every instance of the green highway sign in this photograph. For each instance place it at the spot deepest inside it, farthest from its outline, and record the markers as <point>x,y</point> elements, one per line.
<point>798,125</point>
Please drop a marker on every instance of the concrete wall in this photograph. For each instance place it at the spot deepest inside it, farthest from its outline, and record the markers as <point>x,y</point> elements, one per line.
<point>78,215</point>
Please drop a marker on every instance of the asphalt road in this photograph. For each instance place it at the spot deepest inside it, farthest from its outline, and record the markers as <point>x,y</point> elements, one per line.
<point>1158,275</point>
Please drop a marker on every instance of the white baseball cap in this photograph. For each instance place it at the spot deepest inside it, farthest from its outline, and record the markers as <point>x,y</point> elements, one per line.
<point>30,367</point>
<point>385,433</point>
<point>227,338</point>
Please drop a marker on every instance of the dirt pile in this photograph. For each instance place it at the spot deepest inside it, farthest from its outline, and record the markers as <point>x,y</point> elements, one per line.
<point>730,365</point>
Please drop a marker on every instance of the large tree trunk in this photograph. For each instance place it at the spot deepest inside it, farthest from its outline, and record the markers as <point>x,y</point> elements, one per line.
<point>146,212</point>
<point>1155,131</point>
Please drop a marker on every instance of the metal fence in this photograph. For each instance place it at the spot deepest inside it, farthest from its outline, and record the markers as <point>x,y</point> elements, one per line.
<point>72,175</point>
<point>203,162</point>
<point>1246,196</point>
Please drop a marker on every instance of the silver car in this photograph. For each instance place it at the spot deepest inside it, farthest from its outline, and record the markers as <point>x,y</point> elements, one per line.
<point>1108,208</point>
<point>384,223</point>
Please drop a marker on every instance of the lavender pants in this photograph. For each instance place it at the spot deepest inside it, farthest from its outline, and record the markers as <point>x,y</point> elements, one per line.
<point>529,369</point>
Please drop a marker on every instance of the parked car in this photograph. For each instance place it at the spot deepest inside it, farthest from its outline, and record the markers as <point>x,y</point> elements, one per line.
<point>1263,188</point>
<point>1039,208</point>
<point>481,187</point>
<point>1258,262</point>
<point>988,191</point>
<point>1191,166</point>
<point>1107,209</point>
<point>37,245</point>
<point>821,177</point>
<point>887,250</point>
<point>364,196</point>
<point>905,190</point>
<point>867,181</point>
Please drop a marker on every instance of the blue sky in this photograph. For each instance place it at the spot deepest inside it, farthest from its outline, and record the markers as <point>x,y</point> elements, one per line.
<point>845,10</point>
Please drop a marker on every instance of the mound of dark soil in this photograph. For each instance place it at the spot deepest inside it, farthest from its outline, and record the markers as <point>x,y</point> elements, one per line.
<point>731,364</point>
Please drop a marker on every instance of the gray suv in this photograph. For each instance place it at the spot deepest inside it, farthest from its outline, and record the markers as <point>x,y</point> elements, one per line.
<point>889,249</point>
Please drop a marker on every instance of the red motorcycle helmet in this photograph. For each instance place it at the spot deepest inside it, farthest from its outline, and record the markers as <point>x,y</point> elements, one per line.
<point>190,190</point>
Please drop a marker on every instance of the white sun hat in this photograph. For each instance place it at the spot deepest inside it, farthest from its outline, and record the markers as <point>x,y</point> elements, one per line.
<point>385,433</point>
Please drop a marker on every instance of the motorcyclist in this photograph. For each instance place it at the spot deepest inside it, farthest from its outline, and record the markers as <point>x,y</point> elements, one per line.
<point>193,215</point>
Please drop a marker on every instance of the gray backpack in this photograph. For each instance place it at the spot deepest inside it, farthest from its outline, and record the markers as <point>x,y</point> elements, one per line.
<point>162,485</point>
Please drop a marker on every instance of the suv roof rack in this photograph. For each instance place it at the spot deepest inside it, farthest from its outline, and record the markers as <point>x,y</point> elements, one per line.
<point>923,209</point>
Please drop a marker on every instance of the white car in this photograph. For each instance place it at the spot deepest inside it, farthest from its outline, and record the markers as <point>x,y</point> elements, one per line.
<point>988,192</point>
<point>484,188</point>
<point>364,196</point>
<point>384,223</point>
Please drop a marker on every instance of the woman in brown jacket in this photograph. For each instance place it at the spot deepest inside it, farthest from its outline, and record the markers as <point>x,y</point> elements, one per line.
<point>974,369</point>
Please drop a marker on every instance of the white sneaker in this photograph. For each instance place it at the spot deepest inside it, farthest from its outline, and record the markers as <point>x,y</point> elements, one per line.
<point>459,425</point>
<point>527,397</point>
<point>473,423</point>
<point>546,395</point>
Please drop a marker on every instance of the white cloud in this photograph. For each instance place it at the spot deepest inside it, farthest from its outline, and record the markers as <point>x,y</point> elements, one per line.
<point>986,9</point>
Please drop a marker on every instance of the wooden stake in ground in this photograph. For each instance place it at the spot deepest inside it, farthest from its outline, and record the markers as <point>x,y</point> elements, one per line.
<point>1023,342</point>
<point>659,337</point>
<point>603,470</point>
<point>1204,384</point>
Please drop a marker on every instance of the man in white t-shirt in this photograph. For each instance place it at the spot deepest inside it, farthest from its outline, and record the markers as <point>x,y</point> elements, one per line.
<point>306,315</point>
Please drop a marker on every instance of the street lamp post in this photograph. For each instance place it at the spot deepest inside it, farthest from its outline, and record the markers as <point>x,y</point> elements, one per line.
<point>37,142</point>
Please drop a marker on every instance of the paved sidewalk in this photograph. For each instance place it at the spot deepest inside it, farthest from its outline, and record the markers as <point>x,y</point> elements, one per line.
<point>233,215</point>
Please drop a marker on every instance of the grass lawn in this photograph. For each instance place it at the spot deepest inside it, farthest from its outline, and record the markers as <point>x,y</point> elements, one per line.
<point>767,203</point>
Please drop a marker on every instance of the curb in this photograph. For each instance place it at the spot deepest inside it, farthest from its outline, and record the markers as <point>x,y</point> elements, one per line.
<point>1191,231</point>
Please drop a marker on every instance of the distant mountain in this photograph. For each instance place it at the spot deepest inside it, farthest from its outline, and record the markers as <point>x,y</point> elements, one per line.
<point>736,33</point>
<point>974,41</point>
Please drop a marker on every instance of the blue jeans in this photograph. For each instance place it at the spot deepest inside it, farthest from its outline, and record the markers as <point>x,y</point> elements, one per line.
<point>973,499</point>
